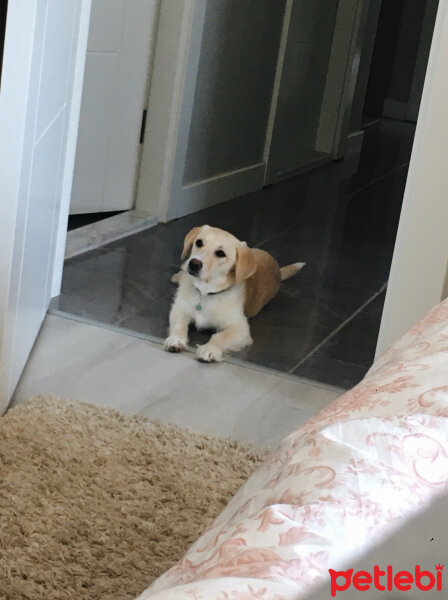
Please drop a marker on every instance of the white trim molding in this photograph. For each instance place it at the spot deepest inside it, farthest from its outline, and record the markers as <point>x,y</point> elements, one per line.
<point>79,60</point>
<point>419,266</point>
<point>171,94</point>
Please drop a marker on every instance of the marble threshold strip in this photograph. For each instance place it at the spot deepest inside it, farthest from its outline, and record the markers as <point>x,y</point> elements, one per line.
<point>108,230</point>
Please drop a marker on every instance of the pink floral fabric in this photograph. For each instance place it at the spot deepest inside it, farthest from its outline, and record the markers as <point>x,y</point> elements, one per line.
<point>335,486</point>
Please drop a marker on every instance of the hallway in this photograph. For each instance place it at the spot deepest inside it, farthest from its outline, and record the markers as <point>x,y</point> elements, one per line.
<point>324,323</point>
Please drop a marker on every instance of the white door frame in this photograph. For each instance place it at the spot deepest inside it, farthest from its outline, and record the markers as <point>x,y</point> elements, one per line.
<point>72,138</point>
<point>170,105</point>
<point>19,104</point>
<point>418,276</point>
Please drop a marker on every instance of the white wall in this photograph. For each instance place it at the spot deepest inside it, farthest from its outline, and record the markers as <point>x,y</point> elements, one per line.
<point>419,266</point>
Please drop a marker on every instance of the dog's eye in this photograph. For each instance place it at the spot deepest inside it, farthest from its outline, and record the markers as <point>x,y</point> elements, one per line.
<point>199,243</point>
<point>220,253</point>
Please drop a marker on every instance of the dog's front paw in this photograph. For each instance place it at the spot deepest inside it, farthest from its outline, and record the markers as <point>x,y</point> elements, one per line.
<point>175,343</point>
<point>209,353</point>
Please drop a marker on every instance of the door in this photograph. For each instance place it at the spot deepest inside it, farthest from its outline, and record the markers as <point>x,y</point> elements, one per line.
<point>303,66</point>
<point>39,107</point>
<point>209,103</point>
<point>223,69</point>
<point>117,65</point>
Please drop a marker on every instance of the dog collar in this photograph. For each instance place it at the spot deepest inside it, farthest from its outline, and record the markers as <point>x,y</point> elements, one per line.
<point>199,304</point>
<point>220,292</point>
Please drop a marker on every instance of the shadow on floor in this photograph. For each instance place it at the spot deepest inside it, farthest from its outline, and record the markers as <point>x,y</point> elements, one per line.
<point>324,323</point>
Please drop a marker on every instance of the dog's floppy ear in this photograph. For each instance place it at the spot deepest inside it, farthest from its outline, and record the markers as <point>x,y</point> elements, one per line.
<point>245,264</point>
<point>188,242</point>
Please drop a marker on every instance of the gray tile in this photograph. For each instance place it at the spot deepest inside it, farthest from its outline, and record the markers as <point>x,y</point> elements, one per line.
<point>152,320</point>
<point>331,371</point>
<point>83,362</point>
<point>356,342</point>
<point>280,346</point>
<point>329,263</point>
<point>313,302</point>
<point>261,417</point>
<point>343,226</point>
<point>375,307</point>
<point>109,286</point>
<point>387,145</point>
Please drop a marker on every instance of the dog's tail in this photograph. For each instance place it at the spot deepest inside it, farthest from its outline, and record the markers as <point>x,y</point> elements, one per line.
<point>290,270</point>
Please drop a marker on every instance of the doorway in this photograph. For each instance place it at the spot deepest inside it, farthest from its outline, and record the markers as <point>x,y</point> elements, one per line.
<point>324,322</point>
<point>399,60</point>
<point>340,218</point>
<point>293,138</point>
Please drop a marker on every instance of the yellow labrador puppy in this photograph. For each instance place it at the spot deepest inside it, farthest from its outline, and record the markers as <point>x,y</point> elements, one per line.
<point>222,283</point>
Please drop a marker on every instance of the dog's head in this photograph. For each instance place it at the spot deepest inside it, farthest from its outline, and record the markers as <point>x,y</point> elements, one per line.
<point>216,258</point>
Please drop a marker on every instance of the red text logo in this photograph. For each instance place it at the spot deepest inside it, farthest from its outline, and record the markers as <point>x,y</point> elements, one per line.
<point>386,580</point>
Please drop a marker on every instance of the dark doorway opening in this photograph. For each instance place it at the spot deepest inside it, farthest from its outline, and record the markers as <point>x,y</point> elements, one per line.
<point>399,59</point>
<point>3,11</point>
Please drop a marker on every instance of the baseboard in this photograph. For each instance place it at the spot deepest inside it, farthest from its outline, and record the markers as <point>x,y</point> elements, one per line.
<point>225,186</point>
<point>107,230</point>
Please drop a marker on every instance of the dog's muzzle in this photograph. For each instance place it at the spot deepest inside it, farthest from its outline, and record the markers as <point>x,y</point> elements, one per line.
<point>194,266</point>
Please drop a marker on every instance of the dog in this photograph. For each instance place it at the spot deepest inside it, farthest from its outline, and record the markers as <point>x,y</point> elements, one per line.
<point>222,283</point>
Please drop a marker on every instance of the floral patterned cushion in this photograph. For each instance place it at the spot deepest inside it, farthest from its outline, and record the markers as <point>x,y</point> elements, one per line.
<point>335,486</point>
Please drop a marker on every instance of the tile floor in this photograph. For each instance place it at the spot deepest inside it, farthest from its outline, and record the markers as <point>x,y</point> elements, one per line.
<point>324,323</point>
<point>83,362</point>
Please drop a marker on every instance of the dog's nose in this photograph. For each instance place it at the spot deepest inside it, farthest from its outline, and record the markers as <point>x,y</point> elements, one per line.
<point>194,266</point>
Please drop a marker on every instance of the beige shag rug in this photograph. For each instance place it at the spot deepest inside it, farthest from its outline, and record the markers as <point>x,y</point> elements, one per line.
<point>95,505</point>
